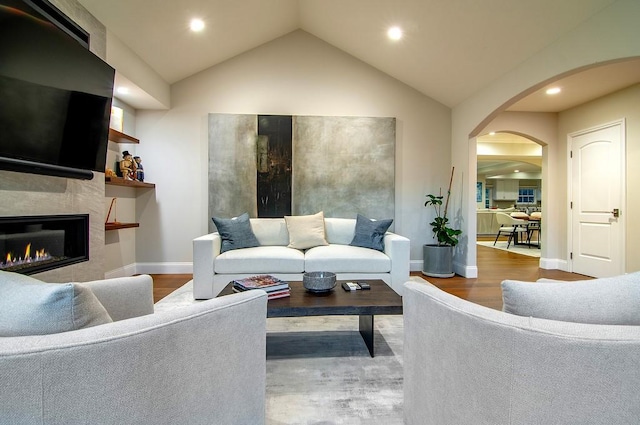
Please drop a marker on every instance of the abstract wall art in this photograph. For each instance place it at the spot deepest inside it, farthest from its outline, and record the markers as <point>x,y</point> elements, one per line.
<point>277,165</point>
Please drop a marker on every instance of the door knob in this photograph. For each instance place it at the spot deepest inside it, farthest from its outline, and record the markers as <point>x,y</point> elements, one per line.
<point>616,212</point>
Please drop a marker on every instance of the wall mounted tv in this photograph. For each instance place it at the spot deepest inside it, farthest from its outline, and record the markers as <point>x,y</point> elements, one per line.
<point>55,95</point>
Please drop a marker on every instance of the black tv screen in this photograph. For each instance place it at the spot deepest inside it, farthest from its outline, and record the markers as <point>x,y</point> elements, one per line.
<point>55,96</point>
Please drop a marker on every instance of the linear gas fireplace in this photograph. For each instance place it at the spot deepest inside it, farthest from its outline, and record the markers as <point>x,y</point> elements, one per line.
<point>33,244</point>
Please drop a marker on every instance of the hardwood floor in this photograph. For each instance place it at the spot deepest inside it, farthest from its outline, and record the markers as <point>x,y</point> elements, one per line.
<point>494,266</point>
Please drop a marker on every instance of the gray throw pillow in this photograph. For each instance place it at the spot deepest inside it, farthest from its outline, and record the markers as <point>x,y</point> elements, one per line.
<point>605,301</point>
<point>235,232</point>
<point>370,233</point>
<point>31,307</point>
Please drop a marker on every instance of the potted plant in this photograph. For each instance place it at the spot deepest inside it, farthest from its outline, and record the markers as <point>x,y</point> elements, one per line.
<point>438,258</point>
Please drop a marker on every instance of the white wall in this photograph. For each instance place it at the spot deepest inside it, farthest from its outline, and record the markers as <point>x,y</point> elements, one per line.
<point>297,74</point>
<point>612,34</point>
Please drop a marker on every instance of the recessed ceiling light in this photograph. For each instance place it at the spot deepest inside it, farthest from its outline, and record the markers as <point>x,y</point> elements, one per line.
<point>123,90</point>
<point>493,133</point>
<point>516,171</point>
<point>553,90</point>
<point>394,33</point>
<point>196,25</point>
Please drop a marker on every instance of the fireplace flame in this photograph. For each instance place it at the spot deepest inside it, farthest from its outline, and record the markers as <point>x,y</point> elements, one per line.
<point>13,260</point>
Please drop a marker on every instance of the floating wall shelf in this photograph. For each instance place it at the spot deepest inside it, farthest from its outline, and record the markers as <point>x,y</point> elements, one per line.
<point>120,137</point>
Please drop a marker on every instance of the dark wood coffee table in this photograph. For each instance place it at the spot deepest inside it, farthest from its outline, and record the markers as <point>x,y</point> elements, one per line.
<point>380,299</point>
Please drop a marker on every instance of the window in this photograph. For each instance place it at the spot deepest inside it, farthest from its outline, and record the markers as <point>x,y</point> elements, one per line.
<point>527,195</point>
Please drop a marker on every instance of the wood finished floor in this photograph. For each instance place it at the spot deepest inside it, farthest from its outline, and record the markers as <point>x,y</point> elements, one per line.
<point>494,266</point>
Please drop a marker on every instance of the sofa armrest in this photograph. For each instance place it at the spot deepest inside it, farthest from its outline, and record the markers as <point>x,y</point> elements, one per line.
<point>205,249</point>
<point>124,297</point>
<point>398,249</point>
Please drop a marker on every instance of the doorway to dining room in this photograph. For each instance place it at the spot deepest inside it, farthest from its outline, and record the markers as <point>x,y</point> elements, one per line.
<point>509,181</point>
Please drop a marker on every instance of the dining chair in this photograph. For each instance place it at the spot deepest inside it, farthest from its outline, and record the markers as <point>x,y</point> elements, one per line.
<point>511,226</point>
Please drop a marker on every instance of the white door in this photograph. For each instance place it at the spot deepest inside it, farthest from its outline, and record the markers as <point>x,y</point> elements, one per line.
<point>597,193</point>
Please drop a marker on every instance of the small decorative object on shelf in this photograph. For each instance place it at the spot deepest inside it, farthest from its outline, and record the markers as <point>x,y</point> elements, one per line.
<point>109,173</point>
<point>139,168</point>
<point>115,213</point>
<point>128,166</point>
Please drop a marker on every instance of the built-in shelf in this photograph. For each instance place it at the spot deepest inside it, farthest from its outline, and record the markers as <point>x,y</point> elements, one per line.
<point>116,226</point>
<point>119,181</point>
<point>120,137</point>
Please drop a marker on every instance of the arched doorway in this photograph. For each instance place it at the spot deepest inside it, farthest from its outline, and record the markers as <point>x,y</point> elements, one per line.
<point>550,126</point>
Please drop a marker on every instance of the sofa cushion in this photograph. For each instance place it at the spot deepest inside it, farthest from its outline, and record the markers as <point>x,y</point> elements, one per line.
<point>370,233</point>
<point>306,231</point>
<point>606,301</point>
<point>260,260</point>
<point>235,232</point>
<point>31,307</point>
<point>346,259</point>
<point>339,230</point>
<point>270,231</point>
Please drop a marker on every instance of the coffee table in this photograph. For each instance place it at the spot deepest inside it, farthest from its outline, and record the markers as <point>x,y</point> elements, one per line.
<point>380,299</point>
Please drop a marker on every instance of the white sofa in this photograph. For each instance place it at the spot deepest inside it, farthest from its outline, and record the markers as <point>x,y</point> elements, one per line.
<point>212,271</point>
<point>468,364</point>
<point>164,368</point>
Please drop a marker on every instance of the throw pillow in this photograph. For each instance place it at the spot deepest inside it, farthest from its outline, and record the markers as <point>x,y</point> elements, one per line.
<point>605,301</point>
<point>31,307</point>
<point>306,231</point>
<point>235,232</point>
<point>370,233</point>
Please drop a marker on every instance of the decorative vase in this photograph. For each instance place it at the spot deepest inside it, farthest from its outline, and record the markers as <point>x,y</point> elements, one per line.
<point>437,260</point>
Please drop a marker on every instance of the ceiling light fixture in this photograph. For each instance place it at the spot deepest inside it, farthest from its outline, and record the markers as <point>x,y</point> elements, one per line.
<point>516,171</point>
<point>394,33</point>
<point>493,133</point>
<point>196,25</point>
<point>123,90</point>
<point>553,90</point>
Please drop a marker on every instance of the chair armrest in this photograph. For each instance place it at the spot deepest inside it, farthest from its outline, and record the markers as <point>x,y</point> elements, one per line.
<point>398,249</point>
<point>125,297</point>
<point>205,249</point>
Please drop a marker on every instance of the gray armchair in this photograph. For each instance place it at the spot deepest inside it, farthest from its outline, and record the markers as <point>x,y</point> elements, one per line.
<point>201,364</point>
<point>468,364</point>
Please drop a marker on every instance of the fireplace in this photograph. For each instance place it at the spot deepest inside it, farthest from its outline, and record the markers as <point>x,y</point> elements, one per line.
<point>33,244</point>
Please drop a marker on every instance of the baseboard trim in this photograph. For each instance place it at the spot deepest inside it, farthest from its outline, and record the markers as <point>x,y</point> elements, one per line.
<point>150,268</point>
<point>164,268</point>
<point>554,264</point>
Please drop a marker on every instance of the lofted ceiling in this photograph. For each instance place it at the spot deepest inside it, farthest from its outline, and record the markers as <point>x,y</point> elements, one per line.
<point>450,50</point>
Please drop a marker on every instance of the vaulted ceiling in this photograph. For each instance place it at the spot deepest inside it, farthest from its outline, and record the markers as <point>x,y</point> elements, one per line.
<point>450,50</point>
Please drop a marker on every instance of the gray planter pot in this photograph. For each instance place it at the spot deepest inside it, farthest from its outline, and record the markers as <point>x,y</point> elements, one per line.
<point>437,261</point>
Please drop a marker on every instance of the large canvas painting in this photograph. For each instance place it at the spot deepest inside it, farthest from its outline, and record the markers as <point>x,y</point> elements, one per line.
<point>272,166</point>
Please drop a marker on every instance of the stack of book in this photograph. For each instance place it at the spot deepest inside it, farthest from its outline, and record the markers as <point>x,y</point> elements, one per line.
<point>274,287</point>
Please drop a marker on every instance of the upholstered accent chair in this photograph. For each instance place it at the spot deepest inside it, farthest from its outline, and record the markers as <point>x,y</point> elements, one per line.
<point>200,364</point>
<point>468,364</point>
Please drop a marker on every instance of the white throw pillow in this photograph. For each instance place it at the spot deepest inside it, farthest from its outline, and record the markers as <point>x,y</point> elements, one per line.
<point>605,301</point>
<point>31,307</point>
<point>306,231</point>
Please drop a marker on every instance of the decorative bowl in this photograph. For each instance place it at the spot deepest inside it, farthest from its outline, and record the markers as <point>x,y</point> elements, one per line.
<point>319,281</point>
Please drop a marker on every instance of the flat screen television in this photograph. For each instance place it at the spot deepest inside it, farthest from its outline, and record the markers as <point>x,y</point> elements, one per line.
<point>55,95</point>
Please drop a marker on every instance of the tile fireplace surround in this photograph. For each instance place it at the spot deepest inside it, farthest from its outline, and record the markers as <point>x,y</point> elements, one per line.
<point>33,244</point>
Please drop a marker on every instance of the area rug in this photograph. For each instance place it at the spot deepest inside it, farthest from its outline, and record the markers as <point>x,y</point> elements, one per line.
<point>532,251</point>
<point>319,371</point>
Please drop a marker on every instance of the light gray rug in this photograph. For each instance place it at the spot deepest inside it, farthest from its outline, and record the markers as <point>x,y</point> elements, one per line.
<point>532,251</point>
<point>319,371</point>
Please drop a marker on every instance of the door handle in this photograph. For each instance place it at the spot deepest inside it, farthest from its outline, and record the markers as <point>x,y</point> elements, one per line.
<point>616,212</point>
